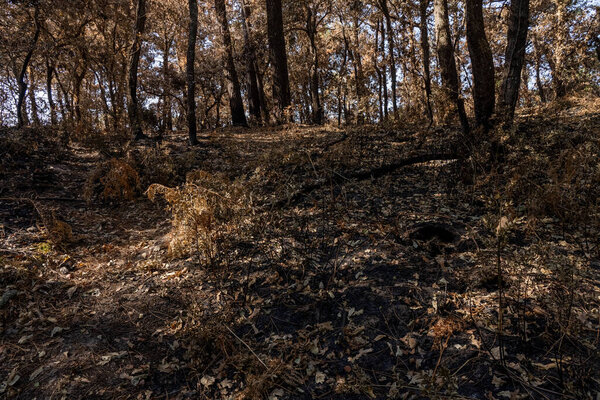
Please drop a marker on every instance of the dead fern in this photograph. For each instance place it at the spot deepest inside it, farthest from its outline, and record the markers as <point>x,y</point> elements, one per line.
<point>57,232</point>
<point>205,210</point>
<point>113,181</point>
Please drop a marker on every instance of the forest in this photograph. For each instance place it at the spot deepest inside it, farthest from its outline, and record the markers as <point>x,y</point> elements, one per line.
<point>300,199</point>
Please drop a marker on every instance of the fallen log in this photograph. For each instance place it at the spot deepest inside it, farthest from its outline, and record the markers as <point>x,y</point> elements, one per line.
<point>362,175</point>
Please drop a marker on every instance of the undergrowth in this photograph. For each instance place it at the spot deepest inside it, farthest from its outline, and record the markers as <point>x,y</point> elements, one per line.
<point>112,181</point>
<point>204,211</point>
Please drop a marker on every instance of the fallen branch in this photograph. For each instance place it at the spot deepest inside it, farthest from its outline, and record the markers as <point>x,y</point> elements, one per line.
<point>337,141</point>
<point>363,175</point>
<point>387,169</point>
<point>246,344</point>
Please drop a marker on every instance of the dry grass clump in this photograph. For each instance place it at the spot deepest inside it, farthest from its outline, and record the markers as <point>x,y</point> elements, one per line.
<point>37,145</point>
<point>156,165</point>
<point>205,210</point>
<point>560,180</point>
<point>112,181</point>
<point>59,232</point>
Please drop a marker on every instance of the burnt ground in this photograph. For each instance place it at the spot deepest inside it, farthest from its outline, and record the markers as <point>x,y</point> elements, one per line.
<point>365,266</point>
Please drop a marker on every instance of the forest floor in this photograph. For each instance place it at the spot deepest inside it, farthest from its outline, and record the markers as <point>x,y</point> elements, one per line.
<point>357,263</point>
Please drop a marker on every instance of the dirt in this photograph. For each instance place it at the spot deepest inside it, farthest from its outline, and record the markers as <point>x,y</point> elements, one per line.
<point>341,286</point>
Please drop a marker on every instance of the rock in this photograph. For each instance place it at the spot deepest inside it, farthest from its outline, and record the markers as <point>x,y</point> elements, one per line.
<point>7,296</point>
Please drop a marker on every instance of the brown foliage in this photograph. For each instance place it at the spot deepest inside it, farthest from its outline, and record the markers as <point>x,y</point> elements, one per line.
<point>204,211</point>
<point>112,181</point>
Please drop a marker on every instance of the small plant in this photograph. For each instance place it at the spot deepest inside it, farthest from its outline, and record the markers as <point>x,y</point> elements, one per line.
<point>204,210</point>
<point>156,165</point>
<point>114,180</point>
<point>59,232</point>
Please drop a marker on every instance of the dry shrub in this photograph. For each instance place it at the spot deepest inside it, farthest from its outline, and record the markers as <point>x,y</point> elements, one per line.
<point>205,210</point>
<point>156,165</point>
<point>113,181</point>
<point>565,187</point>
<point>38,146</point>
<point>59,232</point>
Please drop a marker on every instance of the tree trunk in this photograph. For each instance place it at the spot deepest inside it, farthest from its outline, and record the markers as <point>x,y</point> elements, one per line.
<point>166,119</point>
<point>378,71</point>
<point>482,63</point>
<point>384,75</point>
<point>190,72</point>
<point>278,56</point>
<point>114,104</point>
<point>236,104</point>
<point>133,108</point>
<point>79,74</point>
<point>51,105</point>
<point>515,55</point>
<point>561,31</point>
<point>525,84</point>
<point>446,60</point>
<point>356,58</point>
<point>392,59</point>
<point>423,4</point>
<point>341,80</point>
<point>311,30</point>
<point>254,97</point>
<point>32,102</point>
<point>106,110</point>
<point>264,107</point>
<point>66,107</point>
<point>538,78</point>
<point>21,78</point>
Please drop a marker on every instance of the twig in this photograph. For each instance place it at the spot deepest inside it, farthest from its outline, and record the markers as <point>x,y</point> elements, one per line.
<point>246,344</point>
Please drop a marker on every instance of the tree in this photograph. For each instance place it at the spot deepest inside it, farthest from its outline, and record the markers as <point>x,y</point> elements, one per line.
<point>278,58</point>
<point>518,24</point>
<point>25,66</point>
<point>256,103</point>
<point>482,64</point>
<point>311,15</point>
<point>133,108</point>
<point>558,58</point>
<point>446,60</point>
<point>423,5</point>
<point>383,5</point>
<point>51,105</point>
<point>236,104</point>
<point>190,73</point>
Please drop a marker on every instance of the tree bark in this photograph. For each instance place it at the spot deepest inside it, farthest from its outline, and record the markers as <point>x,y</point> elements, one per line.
<point>190,72</point>
<point>32,102</point>
<point>49,75</point>
<point>133,108</point>
<point>378,71</point>
<point>392,59</point>
<point>254,96</point>
<point>22,84</point>
<point>236,104</point>
<point>518,25</point>
<point>423,4</point>
<point>166,118</point>
<point>311,30</point>
<point>561,31</point>
<point>446,60</point>
<point>482,63</point>
<point>278,57</point>
<point>356,58</point>
<point>538,78</point>
<point>79,75</point>
<point>384,75</point>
